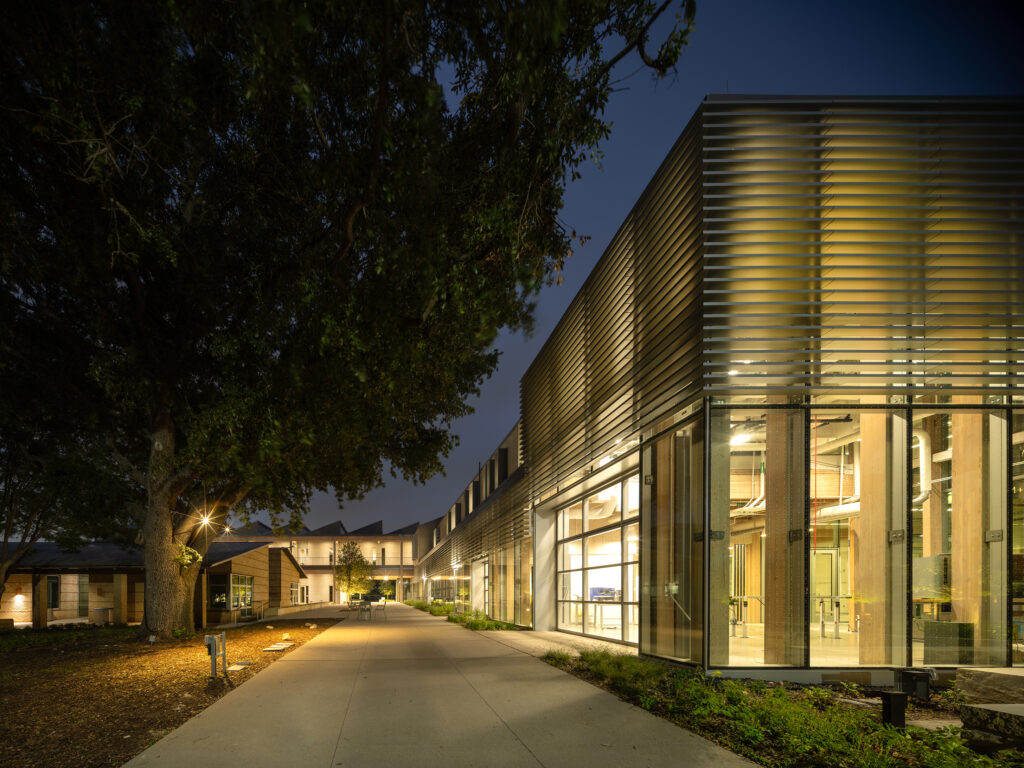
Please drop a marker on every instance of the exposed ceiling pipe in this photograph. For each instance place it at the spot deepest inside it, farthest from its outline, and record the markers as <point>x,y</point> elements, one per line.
<point>850,507</point>
<point>924,460</point>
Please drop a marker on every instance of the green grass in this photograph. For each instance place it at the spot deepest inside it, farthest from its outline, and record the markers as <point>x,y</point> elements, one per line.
<point>774,724</point>
<point>57,639</point>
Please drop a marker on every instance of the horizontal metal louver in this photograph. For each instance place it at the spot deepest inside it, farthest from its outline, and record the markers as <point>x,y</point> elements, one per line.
<point>503,518</point>
<point>629,342</point>
<point>863,246</point>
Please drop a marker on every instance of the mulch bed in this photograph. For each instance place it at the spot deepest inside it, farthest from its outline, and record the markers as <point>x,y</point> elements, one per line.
<point>99,698</point>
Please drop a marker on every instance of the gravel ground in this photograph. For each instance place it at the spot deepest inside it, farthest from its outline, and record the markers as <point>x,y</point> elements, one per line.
<point>98,698</point>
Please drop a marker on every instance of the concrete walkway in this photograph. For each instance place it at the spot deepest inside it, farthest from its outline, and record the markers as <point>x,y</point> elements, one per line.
<point>416,690</point>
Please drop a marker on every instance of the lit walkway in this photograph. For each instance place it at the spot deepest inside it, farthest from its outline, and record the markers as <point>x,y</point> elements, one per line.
<point>417,690</point>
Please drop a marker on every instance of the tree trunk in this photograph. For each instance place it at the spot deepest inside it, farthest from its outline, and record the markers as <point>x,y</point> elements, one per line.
<point>169,585</point>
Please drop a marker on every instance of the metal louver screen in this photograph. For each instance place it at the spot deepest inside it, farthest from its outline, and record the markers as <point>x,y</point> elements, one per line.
<point>795,246</point>
<point>502,519</point>
<point>863,246</point>
<point>629,342</point>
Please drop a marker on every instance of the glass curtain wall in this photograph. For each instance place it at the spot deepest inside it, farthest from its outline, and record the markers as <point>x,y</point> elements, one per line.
<point>524,582</point>
<point>860,537</point>
<point>857,540</point>
<point>756,543</point>
<point>442,589</point>
<point>958,547</point>
<point>597,558</point>
<point>460,588</point>
<point>672,541</point>
<point>502,583</point>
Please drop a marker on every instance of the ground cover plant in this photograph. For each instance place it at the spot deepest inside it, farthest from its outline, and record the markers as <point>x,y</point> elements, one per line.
<point>475,620</point>
<point>434,609</point>
<point>774,724</point>
<point>97,697</point>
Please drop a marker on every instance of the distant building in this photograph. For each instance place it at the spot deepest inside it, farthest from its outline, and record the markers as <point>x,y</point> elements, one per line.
<point>780,430</point>
<point>102,582</point>
<point>392,555</point>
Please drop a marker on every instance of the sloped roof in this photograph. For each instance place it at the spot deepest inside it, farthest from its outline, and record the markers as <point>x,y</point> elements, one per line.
<point>407,531</point>
<point>255,528</point>
<point>337,528</point>
<point>288,553</point>
<point>222,551</point>
<point>373,529</point>
<point>98,554</point>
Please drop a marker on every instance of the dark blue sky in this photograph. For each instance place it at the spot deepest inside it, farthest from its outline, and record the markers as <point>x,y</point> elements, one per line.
<point>908,47</point>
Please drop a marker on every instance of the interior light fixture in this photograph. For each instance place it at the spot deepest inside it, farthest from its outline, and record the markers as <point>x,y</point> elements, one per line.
<point>739,438</point>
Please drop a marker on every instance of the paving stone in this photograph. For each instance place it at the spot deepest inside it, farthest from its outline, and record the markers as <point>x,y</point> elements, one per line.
<point>1002,719</point>
<point>991,686</point>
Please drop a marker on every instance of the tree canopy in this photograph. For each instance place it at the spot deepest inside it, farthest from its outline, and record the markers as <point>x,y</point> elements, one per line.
<point>353,572</point>
<point>267,246</point>
<point>55,482</point>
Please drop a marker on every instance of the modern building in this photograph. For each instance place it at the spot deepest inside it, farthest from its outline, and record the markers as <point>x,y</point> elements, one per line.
<point>392,555</point>
<point>780,430</point>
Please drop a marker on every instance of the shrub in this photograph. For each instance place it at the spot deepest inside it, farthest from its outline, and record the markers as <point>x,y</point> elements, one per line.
<point>478,620</point>
<point>772,723</point>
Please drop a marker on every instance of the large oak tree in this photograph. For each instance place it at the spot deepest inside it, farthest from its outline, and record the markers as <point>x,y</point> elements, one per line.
<point>267,245</point>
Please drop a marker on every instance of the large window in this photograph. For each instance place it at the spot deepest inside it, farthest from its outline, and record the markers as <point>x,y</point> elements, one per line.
<point>958,546</point>
<point>849,535</point>
<point>673,541</point>
<point>598,563</point>
<point>53,592</point>
<point>241,594</point>
<point>808,537</point>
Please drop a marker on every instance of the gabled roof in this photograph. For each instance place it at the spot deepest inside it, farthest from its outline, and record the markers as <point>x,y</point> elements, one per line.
<point>255,528</point>
<point>222,551</point>
<point>407,531</point>
<point>285,552</point>
<point>373,529</point>
<point>337,528</point>
<point>46,555</point>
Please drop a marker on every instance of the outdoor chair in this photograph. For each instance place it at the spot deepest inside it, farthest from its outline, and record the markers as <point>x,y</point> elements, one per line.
<point>379,608</point>
<point>364,611</point>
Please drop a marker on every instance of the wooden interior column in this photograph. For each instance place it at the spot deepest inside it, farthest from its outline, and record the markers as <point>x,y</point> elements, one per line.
<point>931,508</point>
<point>978,566</point>
<point>719,538</point>
<point>785,605</point>
<point>871,535</point>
